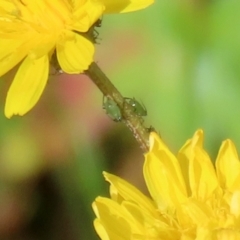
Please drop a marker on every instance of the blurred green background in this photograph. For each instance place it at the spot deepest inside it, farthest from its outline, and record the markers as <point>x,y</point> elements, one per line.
<point>180,58</point>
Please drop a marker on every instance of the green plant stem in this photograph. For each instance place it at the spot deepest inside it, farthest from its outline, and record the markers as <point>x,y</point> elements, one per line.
<point>130,118</point>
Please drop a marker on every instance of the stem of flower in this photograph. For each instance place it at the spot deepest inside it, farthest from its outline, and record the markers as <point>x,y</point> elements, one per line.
<point>130,118</point>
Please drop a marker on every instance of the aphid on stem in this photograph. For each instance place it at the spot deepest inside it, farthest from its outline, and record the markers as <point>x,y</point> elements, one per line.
<point>112,109</point>
<point>138,108</point>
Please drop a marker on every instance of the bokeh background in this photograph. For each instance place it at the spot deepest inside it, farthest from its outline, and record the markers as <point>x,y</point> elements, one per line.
<point>181,58</point>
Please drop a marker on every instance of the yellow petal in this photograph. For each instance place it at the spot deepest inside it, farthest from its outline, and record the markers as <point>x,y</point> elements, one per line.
<point>202,176</point>
<point>135,217</point>
<point>11,53</point>
<point>228,166</point>
<point>183,157</point>
<point>204,233</point>
<point>199,212</point>
<point>186,153</point>
<point>195,141</point>
<point>27,86</point>
<point>85,15</point>
<point>203,180</point>
<point>101,230</point>
<point>7,7</point>
<point>121,6</point>
<point>235,204</point>
<point>163,175</point>
<point>112,217</point>
<point>143,224</point>
<point>74,53</point>
<point>226,234</point>
<point>129,192</point>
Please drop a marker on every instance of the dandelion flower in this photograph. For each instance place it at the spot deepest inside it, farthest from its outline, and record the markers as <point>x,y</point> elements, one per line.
<point>31,31</point>
<point>190,198</point>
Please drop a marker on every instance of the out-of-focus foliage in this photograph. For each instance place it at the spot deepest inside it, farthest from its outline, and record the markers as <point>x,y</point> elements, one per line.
<point>180,58</point>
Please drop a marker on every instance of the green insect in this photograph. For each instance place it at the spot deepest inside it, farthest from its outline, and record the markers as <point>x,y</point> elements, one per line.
<point>112,109</point>
<point>138,108</point>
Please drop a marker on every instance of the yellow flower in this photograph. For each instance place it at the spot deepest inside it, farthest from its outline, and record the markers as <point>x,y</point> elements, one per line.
<point>190,199</point>
<point>32,30</point>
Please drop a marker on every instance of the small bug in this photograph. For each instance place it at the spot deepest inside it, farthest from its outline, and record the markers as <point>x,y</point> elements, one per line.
<point>98,23</point>
<point>138,108</point>
<point>151,129</point>
<point>112,109</point>
<point>92,34</point>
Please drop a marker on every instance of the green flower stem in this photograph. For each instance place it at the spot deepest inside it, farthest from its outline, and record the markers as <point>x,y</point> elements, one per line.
<point>130,118</point>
